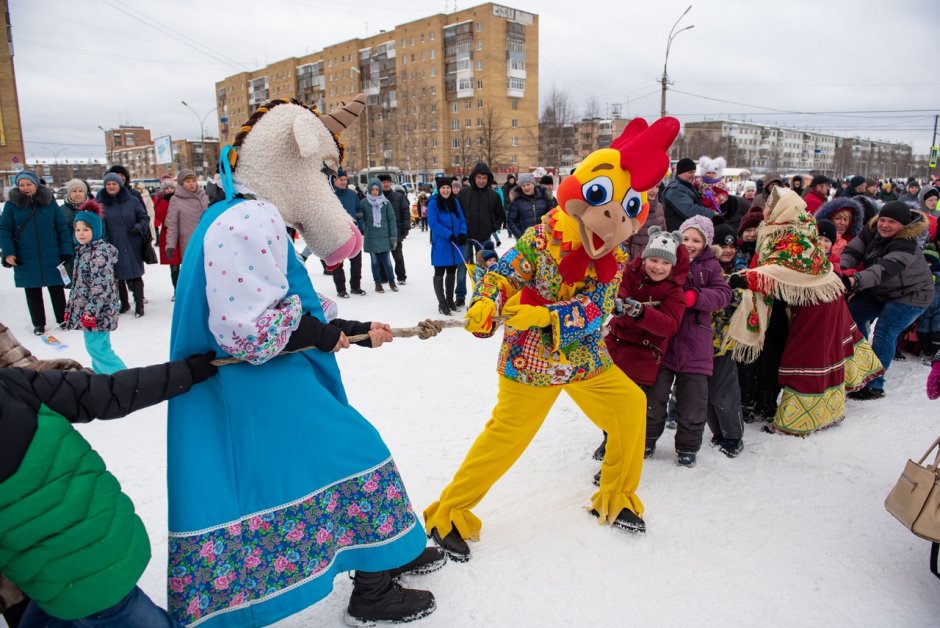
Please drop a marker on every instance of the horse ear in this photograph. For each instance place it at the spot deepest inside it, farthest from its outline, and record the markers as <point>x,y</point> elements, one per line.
<point>340,118</point>
<point>305,134</point>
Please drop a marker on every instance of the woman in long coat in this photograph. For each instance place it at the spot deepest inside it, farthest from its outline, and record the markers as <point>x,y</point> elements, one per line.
<point>126,221</point>
<point>381,233</point>
<point>34,238</point>
<point>448,231</point>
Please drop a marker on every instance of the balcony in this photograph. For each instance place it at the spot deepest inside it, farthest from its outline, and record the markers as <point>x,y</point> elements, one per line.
<point>515,72</point>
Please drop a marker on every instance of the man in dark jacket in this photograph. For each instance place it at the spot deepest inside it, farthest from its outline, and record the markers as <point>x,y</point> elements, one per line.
<point>403,220</point>
<point>913,189</point>
<point>350,202</point>
<point>895,286</point>
<point>69,537</point>
<point>483,211</point>
<point>681,200</point>
<point>818,193</point>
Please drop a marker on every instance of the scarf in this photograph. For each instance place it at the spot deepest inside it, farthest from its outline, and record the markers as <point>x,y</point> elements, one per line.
<point>790,266</point>
<point>376,202</point>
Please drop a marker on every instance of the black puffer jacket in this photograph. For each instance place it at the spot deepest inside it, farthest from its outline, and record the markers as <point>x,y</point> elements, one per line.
<point>482,207</point>
<point>527,211</point>
<point>895,269</point>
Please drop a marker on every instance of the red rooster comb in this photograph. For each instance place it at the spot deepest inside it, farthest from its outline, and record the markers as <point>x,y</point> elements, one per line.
<point>91,206</point>
<point>643,150</point>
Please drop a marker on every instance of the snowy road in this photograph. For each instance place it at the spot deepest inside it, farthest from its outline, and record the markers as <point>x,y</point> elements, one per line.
<point>791,533</point>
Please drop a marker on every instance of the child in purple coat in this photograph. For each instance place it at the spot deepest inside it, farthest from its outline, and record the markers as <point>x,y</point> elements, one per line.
<point>689,358</point>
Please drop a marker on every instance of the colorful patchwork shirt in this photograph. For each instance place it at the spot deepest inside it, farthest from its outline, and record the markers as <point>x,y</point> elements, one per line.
<point>571,349</point>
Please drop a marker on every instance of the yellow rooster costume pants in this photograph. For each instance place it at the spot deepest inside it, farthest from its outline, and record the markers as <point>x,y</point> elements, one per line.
<point>611,400</point>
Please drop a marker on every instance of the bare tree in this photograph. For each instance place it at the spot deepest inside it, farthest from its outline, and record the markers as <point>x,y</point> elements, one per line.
<point>557,114</point>
<point>493,142</point>
<point>592,108</point>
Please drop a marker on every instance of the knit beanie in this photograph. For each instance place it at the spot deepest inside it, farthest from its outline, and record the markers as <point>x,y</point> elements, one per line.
<point>546,179</point>
<point>725,235</point>
<point>76,184</point>
<point>29,175</point>
<point>931,192</point>
<point>438,182</point>
<point>111,176</point>
<point>662,244</point>
<point>487,255</point>
<point>526,177</point>
<point>166,184</point>
<point>897,210</point>
<point>90,214</point>
<point>827,229</point>
<point>685,165</point>
<point>701,224</point>
<point>751,220</point>
<point>856,181</point>
<point>184,174</point>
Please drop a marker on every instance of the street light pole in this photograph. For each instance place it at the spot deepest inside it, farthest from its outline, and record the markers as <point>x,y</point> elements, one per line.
<point>202,138</point>
<point>665,78</point>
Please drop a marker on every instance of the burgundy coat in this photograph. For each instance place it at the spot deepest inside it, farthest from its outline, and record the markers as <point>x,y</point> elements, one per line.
<point>637,345</point>
<point>691,350</point>
<point>160,206</point>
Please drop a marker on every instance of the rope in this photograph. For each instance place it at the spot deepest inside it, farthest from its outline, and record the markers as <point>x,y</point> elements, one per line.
<point>424,329</point>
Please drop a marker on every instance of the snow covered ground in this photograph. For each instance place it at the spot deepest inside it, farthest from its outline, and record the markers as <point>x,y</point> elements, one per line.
<point>791,533</point>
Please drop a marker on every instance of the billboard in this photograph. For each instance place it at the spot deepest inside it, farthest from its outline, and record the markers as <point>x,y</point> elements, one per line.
<point>163,149</point>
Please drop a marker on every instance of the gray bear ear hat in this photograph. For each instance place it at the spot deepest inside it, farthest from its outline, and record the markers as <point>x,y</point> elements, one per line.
<point>662,244</point>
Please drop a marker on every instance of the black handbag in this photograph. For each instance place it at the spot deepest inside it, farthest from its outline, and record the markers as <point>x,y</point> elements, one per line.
<point>147,254</point>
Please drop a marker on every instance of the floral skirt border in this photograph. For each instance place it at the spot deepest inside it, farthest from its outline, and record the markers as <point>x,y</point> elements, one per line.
<point>264,555</point>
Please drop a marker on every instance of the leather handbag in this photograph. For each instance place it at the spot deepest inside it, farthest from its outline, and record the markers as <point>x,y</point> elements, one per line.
<point>147,254</point>
<point>915,499</point>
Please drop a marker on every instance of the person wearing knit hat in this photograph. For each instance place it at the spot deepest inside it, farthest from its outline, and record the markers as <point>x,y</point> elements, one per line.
<point>895,285</point>
<point>93,301</point>
<point>127,224</point>
<point>34,239</point>
<point>113,177</point>
<point>681,198</point>
<point>183,214</point>
<point>856,185</point>
<point>662,244</point>
<point>527,178</point>
<point>76,195</point>
<point>689,358</point>
<point>827,235</point>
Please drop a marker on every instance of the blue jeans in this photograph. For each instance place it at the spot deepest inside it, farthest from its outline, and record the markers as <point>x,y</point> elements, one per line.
<point>136,609</point>
<point>104,360</point>
<point>929,322</point>
<point>469,257</point>
<point>385,259</point>
<point>893,319</point>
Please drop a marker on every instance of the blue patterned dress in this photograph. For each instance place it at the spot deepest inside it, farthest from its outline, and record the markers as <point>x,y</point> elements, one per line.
<point>276,484</point>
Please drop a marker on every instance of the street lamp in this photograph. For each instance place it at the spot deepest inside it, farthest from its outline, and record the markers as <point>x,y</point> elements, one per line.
<point>202,137</point>
<point>665,78</point>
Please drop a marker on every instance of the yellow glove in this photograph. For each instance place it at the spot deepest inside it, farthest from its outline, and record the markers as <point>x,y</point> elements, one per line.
<point>525,316</point>
<point>479,317</point>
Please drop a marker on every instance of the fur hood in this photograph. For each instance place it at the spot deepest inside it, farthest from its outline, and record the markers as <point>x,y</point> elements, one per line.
<point>42,197</point>
<point>833,207</point>
<point>541,191</point>
<point>923,194</point>
<point>911,231</point>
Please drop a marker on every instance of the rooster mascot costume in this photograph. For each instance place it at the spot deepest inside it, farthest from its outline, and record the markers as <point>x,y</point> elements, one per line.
<point>557,286</point>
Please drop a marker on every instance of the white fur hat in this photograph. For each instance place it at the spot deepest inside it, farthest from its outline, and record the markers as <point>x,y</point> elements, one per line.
<point>707,164</point>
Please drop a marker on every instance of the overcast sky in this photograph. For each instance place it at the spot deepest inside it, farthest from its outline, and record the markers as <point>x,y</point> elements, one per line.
<point>85,63</point>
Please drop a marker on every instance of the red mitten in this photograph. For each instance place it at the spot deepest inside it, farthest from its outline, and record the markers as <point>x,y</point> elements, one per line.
<point>691,298</point>
<point>88,321</point>
<point>933,381</point>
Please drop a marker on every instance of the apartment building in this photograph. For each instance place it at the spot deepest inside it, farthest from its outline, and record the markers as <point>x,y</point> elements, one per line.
<point>133,148</point>
<point>12,153</point>
<point>443,92</point>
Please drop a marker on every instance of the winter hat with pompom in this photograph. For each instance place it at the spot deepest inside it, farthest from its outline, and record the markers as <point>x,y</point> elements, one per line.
<point>90,214</point>
<point>701,224</point>
<point>662,244</point>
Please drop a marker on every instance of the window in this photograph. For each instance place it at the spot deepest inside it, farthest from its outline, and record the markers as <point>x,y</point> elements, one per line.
<point>404,60</point>
<point>455,143</point>
<point>515,123</point>
<point>434,143</point>
<point>479,84</point>
<point>469,142</point>
<point>479,122</point>
<point>467,105</point>
<point>433,87</point>
<point>422,55</point>
<point>514,160</point>
<point>403,42</point>
<point>455,125</point>
<point>479,26</point>
<point>411,42</point>
<point>422,38</point>
<point>515,104</point>
<point>433,72</point>
<point>516,83</point>
<point>515,140</point>
<point>433,54</point>
<point>453,107</point>
<point>468,123</point>
<point>479,66</point>
<point>431,35</point>
<point>479,45</point>
<point>480,103</point>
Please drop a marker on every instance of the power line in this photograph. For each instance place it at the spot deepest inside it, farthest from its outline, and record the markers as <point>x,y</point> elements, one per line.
<point>804,113</point>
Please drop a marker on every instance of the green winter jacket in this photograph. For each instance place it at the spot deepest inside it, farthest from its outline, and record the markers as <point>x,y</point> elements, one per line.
<point>71,539</point>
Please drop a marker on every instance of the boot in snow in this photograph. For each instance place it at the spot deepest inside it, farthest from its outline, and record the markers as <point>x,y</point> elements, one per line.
<point>650,448</point>
<point>452,544</point>
<point>685,459</point>
<point>377,597</point>
<point>627,520</point>
<point>428,561</point>
<point>442,306</point>
<point>731,447</point>
<point>450,281</point>
<point>597,479</point>
<point>602,449</point>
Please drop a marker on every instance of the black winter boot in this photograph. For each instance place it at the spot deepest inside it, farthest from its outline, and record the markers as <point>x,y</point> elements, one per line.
<point>601,449</point>
<point>627,520</point>
<point>428,561</point>
<point>449,283</point>
<point>452,544</point>
<point>377,597</point>
<point>137,289</point>
<point>442,306</point>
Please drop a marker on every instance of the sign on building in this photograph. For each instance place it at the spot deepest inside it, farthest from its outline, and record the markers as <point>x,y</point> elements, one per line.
<point>513,15</point>
<point>163,149</point>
